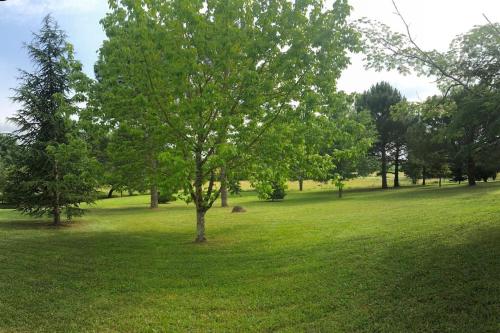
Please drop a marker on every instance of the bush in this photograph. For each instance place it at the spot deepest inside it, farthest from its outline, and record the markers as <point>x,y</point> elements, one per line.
<point>165,196</point>
<point>278,191</point>
<point>271,190</point>
<point>234,187</point>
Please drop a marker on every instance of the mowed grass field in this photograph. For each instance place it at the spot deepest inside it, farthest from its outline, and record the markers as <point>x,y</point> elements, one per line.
<point>408,260</point>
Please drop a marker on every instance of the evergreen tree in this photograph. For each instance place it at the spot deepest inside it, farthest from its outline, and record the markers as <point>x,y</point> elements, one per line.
<point>53,173</point>
<point>378,100</point>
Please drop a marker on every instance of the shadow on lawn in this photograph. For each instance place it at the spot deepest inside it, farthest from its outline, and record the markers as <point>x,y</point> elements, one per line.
<point>138,210</point>
<point>120,281</point>
<point>435,287</point>
<point>31,224</point>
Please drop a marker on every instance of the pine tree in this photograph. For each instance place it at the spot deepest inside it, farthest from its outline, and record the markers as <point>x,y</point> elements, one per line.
<point>53,174</point>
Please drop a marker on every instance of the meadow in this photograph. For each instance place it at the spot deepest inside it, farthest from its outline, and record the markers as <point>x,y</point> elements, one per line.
<point>415,259</point>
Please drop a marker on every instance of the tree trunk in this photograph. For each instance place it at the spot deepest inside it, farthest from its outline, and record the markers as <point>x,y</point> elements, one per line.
<point>57,216</point>
<point>57,194</point>
<point>197,196</point>
<point>301,184</point>
<point>223,187</point>
<point>110,193</point>
<point>200,226</point>
<point>396,168</point>
<point>423,176</point>
<point>154,185</point>
<point>340,192</point>
<point>154,197</point>
<point>471,171</point>
<point>439,181</point>
<point>384,169</point>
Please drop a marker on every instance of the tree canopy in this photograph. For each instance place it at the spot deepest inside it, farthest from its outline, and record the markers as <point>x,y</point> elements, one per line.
<point>53,172</point>
<point>219,74</point>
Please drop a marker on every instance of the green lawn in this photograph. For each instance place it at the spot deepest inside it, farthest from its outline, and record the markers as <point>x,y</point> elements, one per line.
<point>409,260</point>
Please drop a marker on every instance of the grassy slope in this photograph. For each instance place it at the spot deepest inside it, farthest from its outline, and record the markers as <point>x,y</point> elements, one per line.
<point>408,260</point>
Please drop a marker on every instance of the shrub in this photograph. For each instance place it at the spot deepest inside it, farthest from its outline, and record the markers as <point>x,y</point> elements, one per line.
<point>165,196</point>
<point>271,190</point>
<point>234,187</point>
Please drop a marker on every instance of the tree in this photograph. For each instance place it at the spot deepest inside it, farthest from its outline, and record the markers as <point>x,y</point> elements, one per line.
<point>220,73</point>
<point>223,187</point>
<point>306,141</point>
<point>378,100</point>
<point>53,172</point>
<point>427,140</point>
<point>472,59</point>
<point>469,71</point>
<point>136,134</point>
<point>475,128</point>
<point>347,142</point>
<point>128,165</point>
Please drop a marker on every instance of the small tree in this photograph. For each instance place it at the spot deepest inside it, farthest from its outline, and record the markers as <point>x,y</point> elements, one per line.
<point>53,173</point>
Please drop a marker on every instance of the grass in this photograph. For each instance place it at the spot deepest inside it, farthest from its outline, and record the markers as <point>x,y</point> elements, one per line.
<point>409,260</point>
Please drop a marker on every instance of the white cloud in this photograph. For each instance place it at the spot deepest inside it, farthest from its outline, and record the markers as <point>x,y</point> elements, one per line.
<point>357,79</point>
<point>24,9</point>
<point>434,23</point>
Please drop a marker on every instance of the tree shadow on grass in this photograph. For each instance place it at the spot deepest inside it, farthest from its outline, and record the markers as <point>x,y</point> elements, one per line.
<point>139,281</point>
<point>437,287</point>
<point>138,209</point>
<point>32,224</point>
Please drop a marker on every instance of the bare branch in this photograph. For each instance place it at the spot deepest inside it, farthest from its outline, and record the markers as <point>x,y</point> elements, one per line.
<point>491,23</point>
<point>426,58</point>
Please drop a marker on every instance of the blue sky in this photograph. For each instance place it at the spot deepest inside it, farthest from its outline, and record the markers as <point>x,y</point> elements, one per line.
<point>433,22</point>
<point>19,18</point>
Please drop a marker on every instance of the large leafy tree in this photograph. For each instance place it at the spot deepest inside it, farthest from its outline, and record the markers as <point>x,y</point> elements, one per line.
<point>350,143</point>
<point>379,100</point>
<point>472,58</point>
<point>310,133</point>
<point>135,134</point>
<point>468,74</point>
<point>52,173</point>
<point>474,130</point>
<point>427,140</point>
<point>218,74</point>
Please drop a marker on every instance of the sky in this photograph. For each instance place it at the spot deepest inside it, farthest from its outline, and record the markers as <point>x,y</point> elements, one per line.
<point>433,23</point>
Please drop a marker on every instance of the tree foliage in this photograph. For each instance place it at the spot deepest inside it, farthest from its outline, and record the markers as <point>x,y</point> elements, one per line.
<point>472,59</point>
<point>217,74</point>
<point>53,172</point>
<point>378,101</point>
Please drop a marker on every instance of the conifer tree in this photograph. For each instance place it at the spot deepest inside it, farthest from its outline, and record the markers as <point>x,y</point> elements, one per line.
<point>53,173</point>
